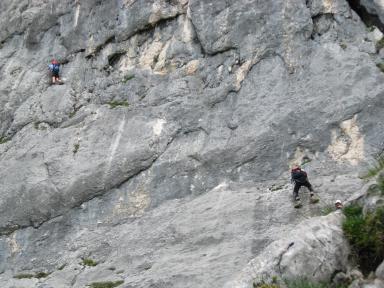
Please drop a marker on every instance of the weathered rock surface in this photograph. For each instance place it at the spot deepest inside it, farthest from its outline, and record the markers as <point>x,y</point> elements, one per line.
<point>207,92</point>
<point>315,250</point>
<point>375,7</point>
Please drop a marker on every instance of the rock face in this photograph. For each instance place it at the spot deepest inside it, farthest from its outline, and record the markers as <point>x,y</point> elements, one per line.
<point>375,7</point>
<point>162,103</point>
<point>313,250</point>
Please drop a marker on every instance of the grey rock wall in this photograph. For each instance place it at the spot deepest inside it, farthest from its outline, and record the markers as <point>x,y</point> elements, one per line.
<point>207,92</point>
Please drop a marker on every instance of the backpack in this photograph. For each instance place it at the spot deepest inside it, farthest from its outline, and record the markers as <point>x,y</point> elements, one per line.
<point>299,176</point>
<point>54,68</point>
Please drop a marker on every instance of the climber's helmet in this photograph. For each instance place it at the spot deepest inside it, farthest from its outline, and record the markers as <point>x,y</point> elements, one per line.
<point>338,204</point>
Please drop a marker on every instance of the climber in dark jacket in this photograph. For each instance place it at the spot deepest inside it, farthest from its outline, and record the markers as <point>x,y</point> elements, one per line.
<point>300,178</point>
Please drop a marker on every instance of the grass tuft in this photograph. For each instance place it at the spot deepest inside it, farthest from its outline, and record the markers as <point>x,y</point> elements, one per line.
<point>380,66</point>
<point>114,104</point>
<point>89,262</point>
<point>76,148</point>
<point>380,44</point>
<point>3,140</point>
<point>24,276</point>
<point>37,275</point>
<point>128,77</point>
<point>109,284</point>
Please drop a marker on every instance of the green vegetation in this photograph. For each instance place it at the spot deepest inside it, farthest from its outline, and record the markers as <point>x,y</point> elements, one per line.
<point>76,148</point>
<point>265,285</point>
<point>380,44</point>
<point>380,184</point>
<point>62,266</point>
<point>380,66</point>
<point>106,284</point>
<point>365,234</point>
<point>89,262</point>
<point>24,276</point>
<point>128,77</point>
<point>343,46</point>
<point>115,103</point>
<point>3,140</point>
<point>37,275</point>
<point>300,283</point>
<point>72,114</point>
<point>378,166</point>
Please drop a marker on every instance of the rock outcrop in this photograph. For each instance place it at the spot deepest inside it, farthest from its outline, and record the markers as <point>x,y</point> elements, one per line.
<point>164,155</point>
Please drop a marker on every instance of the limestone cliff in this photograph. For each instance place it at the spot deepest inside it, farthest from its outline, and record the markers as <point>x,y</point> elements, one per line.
<point>164,156</point>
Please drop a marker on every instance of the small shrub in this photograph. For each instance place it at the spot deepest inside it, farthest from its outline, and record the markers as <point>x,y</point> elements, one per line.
<point>3,140</point>
<point>380,66</point>
<point>62,267</point>
<point>365,235</point>
<point>128,77</point>
<point>76,148</point>
<point>114,104</point>
<point>89,262</point>
<point>109,284</point>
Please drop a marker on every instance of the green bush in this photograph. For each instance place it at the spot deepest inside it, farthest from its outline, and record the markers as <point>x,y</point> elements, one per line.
<point>366,236</point>
<point>106,284</point>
